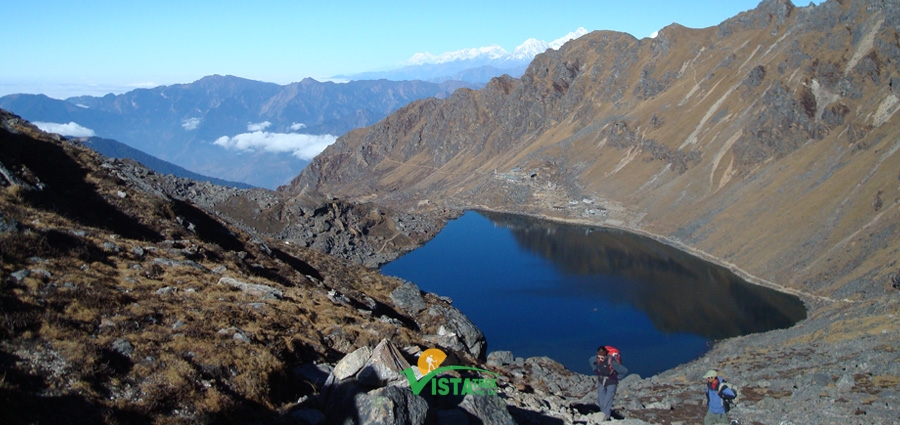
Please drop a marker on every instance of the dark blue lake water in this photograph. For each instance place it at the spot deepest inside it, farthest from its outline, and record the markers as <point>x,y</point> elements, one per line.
<point>538,288</point>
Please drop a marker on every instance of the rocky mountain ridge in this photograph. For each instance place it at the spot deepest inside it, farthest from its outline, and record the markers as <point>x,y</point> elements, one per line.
<point>768,144</point>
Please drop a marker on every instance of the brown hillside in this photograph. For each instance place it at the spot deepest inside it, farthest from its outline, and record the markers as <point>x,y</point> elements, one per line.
<point>768,143</point>
<point>121,304</point>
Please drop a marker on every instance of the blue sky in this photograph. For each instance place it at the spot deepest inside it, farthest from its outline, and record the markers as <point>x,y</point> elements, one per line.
<point>64,48</point>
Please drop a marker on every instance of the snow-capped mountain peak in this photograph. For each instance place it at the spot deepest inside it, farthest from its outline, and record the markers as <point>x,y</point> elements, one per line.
<point>524,52</point>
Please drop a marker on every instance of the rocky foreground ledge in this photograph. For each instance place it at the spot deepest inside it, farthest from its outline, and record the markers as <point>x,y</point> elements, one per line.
<point>824,370</point>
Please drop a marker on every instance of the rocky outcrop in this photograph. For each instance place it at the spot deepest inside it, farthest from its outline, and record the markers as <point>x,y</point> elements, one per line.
<point>364,233</point>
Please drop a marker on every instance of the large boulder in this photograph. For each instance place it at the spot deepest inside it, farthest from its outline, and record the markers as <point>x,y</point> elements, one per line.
<point>390,406</point>
<point>459,324</point>
<point>352,363</point>
<point>385,366</point>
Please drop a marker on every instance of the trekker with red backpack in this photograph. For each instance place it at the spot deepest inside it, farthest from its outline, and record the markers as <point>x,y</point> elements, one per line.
<point>718,393</point>
<point>608,367</point>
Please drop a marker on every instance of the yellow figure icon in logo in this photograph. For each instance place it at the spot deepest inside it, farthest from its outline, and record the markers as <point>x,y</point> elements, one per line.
<point>430,360</point>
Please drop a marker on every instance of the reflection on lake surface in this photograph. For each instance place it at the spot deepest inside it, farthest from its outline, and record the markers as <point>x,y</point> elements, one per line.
<point>539,288</point>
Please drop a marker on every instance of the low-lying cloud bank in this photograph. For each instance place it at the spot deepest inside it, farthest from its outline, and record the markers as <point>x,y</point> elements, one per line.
<point>303,146</point>
<point>71,129</point>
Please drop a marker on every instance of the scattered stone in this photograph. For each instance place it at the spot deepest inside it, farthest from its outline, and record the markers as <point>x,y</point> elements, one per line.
<point>262,291</point>
<point>19,276</point>
<point>8,225</point>
<point>123,347</point>
<point>408,298</point>
<point>846,382</point>
<point>500,358</point>
<point>338,298</point>
<point>168,290</point>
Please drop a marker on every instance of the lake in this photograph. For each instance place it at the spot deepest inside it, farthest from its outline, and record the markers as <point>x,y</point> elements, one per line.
<point>539,288</point>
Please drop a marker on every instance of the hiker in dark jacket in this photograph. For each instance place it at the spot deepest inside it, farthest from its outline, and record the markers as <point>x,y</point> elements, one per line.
<point>608,372</point>
<point>716,388</point>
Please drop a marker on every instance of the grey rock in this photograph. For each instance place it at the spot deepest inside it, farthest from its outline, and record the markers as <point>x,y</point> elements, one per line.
<point>352,363</point>
<point>450,341</point>
<point>123,347</point>
<point>391,406</point>
<point>41,273</point>
<point>500,358</point>
<point>338,298</point>
<point>19,275</point>
<point>408,298</point>
<point>385,365</point>
<point>261,291</point>
<point>8,225</point>
<point>470,335</point>
<point>165,262</point>
<point>818,380</point>
<point>846,382</point>
<point>594,418</point>
<point>488,409</point>
<point>166,290</point>
<point>237,334</point>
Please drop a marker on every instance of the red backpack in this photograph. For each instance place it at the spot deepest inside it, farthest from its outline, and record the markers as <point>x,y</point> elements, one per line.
<point>614,353</point>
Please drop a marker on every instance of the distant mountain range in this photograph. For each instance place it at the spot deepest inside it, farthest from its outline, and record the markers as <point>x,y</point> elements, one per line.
<point>263,134</point>
<point>227,127</point>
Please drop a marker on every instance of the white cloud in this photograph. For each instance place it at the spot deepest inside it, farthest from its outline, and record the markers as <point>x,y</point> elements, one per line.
<point>303,146</point>
<point>71,129</point>
<point>191,123</point>
<point>298,126</point>
<point>260,126</point>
